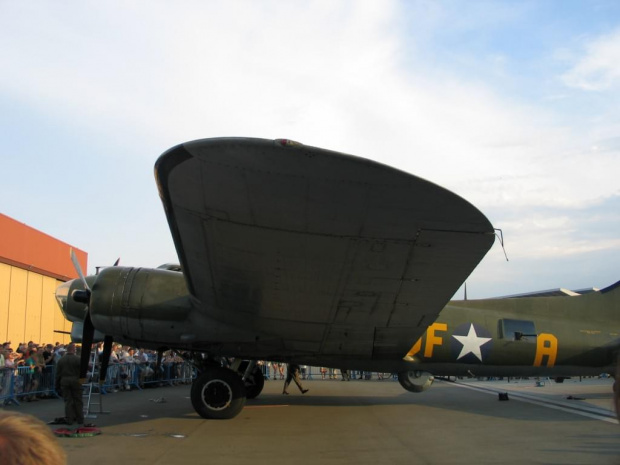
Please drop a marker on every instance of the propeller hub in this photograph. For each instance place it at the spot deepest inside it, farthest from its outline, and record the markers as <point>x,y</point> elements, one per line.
<point>81,296</point>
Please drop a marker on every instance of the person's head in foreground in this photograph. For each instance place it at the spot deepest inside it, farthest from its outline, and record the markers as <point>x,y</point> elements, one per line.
<point>26,440</point>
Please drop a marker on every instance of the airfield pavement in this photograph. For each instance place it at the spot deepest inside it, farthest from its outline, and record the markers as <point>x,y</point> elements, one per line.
<point>362,422</point>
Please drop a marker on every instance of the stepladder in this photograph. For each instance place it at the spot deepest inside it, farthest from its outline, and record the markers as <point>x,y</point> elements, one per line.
<point>92,390</point>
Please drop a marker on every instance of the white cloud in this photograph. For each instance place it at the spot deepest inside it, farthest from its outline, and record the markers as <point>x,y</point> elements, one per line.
<point>599,68</point>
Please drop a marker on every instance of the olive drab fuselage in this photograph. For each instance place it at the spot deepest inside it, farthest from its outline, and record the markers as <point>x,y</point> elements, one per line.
<point>520,336</point>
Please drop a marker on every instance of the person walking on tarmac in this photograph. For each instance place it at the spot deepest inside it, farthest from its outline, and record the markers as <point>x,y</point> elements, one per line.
<point>292,373</point>
<point>68,380</point>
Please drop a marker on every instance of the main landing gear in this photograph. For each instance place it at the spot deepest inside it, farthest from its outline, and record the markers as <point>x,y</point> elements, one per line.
<point>253,379</point>
<point>220,393</point>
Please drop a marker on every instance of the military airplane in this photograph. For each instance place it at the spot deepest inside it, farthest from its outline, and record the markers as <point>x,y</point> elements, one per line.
<point>297,254</point>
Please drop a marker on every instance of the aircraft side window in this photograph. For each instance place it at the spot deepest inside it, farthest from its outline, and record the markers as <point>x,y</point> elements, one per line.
<point>517,330</point>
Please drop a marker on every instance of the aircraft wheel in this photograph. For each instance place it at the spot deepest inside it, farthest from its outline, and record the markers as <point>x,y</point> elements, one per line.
<point>218,393</point>
<point>415,381</point>
<point>254,383</point>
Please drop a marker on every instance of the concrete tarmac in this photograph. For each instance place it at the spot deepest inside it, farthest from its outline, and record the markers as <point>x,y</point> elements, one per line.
<point>362,422</point>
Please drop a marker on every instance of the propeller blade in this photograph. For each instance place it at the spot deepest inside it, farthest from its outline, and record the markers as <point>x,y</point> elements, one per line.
<point>87,342</point>
<point>160,355</point>
<point>118,260</point>
<point>105,358</point>
<point>78,268</point>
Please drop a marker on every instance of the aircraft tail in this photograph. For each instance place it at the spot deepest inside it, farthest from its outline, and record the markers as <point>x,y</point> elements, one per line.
<point>600,305</point>
<point>611,303</point>
<point>610,288</point>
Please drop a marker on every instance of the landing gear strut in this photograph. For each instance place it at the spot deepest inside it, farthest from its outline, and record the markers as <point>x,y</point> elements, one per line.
<point>253,379</point>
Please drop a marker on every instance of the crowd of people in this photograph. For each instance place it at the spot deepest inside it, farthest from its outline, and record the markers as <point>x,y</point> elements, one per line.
<point>38,356</point>
<point>28,370</point>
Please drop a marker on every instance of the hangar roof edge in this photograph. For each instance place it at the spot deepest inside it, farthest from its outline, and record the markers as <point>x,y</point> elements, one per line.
<point>28,248</point>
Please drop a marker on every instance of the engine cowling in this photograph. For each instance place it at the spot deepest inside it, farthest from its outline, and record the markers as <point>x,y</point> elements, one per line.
<point>415,381</point>
<point>140,304</point>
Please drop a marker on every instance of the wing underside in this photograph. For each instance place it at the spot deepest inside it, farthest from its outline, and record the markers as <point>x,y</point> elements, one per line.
<point>326,253</point>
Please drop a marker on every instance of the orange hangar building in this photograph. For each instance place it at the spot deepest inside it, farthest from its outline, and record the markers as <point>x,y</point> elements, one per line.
<point>32,265</point>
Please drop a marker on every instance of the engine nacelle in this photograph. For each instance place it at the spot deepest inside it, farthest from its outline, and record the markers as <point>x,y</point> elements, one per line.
<point>415,381</point>
<point>141,304</point>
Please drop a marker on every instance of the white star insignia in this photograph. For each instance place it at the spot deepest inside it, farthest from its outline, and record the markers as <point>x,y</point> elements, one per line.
<point>471,343</point>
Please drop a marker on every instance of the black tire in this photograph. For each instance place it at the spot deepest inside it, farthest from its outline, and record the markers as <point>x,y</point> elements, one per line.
<point>415,381</point>
<point>218,393</point>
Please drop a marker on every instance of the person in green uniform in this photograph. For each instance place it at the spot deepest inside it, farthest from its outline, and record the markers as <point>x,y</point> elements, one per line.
<point>68,380</point>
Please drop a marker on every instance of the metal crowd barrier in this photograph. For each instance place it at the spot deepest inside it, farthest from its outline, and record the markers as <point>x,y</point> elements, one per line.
<point>26,383</point>
<point>7,386</point>
<point>23,383</point>
<point>124,376</point>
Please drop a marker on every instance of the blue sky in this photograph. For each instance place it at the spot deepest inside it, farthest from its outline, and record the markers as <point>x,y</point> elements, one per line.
<point>513,105</point>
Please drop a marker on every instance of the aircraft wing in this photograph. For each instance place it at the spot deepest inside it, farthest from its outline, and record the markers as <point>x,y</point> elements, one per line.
<point>328,253</point>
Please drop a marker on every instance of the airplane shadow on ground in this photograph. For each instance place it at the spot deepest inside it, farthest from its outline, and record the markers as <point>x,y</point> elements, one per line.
<point>441,398</point>
<point>485,406</point>
<point>604,445</point>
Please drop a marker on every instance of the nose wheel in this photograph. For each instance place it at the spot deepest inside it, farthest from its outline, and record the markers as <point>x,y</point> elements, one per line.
<point>218,393</point>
